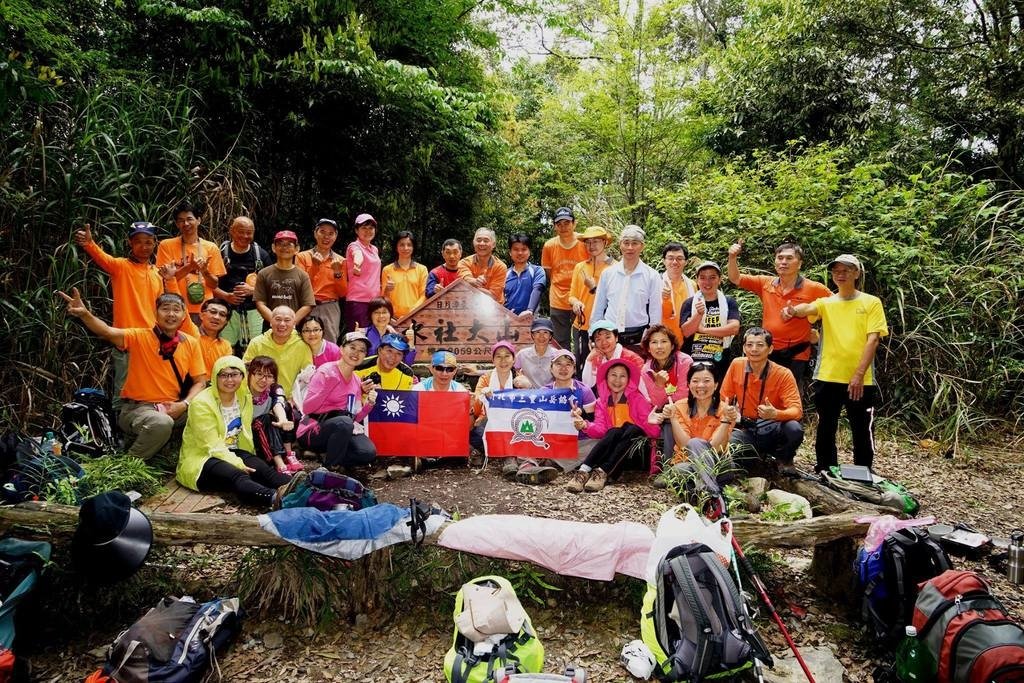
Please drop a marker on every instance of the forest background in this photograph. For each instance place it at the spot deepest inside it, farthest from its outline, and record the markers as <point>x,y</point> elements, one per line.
<point>893,129</point>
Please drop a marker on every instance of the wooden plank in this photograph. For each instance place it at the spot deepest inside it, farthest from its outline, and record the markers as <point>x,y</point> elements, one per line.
<point>199,502</point>
<point>177,496</point>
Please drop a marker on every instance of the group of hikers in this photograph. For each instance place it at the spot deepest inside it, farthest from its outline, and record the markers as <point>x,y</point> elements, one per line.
<point>294,346</point>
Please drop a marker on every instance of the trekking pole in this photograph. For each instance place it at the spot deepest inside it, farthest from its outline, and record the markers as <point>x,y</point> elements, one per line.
<point>758,667</point>
<point>762,593</point>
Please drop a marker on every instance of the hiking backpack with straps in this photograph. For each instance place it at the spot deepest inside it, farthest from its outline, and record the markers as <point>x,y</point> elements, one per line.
<point>520,652</point>
<point>326,491</point>
<point>967,630</point>
<point>693,620</point>
<point>882,492</point>
<point>87,424</point>
<point>888,578</point>
<point>34,471</point>
<point>175,642</point>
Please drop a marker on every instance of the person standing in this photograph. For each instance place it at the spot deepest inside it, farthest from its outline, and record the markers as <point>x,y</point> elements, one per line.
<point>362,269</point>
<point>326,270</point>
<point>483,269</point>
<point>243,259</point>
<point>404,281</point>
<point>559,257</point>
<point>448,272</point>
<point>709,320</point>
<point>629,293</point>
<point>283,283</point>
<point>585,276</point>
<point>675,286</point>
<point>197,261</point>
<point>524,281</point>
<point>792,336</point>
<point>853,324</point>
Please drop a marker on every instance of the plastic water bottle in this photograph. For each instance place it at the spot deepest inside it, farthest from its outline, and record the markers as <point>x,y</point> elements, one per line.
<point>48,443</point>
<point>914,663</point>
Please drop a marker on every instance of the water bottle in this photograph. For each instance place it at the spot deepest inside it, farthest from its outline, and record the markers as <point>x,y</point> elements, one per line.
<point>48,443</point>
<point>1015,557</point>
<point>914,663</point>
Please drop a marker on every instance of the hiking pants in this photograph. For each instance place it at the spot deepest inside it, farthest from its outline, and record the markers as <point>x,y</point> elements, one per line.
<point>267,438</point>
<point>771,438</point>
<point>120,363</point>
<point>329,313</point>
<point>616,446</point>
<point>561,321</point>
<point>341,448</point>
<point>256,489</point>
<point>242,327</point>
<point>703,468</point>
<point>151,427</point>
<point>830,398</point>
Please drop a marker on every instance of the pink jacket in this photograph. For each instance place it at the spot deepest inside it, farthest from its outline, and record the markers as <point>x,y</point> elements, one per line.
<point>639,406</point>
<point>655,394</point>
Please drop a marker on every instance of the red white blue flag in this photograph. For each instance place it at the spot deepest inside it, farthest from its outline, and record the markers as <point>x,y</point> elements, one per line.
<point>530,423</point>
<point>432,424</point>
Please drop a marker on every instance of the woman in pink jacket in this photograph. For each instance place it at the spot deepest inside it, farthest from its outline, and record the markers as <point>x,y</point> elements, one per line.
<point>663,379</point>
<point>620,423</point>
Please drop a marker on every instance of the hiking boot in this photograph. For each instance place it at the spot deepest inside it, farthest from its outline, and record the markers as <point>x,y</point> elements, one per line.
<point>510,467</point>
<point>529,473</point>
<point>597,480</point>
<point>285,489</point>
<point>476,459</point>
<point>578,481</point>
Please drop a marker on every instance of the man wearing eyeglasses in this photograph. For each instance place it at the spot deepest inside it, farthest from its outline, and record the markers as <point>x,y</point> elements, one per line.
<point>675,286</point>
<point>326,270</point>
<point>213,317</point>
<point>442,374</point>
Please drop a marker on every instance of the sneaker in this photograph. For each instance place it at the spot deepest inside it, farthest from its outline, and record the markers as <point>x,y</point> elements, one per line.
<point>578,481</point>
<point>283,468</point>
<point>597,480</point>
<point>476,459</point>
<point>285,489</point>
<point>510,467</point>
<point>529,473</point>
<point>294,464</point>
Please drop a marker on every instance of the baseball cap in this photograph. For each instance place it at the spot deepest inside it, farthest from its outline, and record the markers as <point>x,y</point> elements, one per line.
<point>633,232</point>
<point>354,337</point>
<point>326,221</point>
<point>142,228</point>
<point>365,218</point>
<point>503,344</point>
<point>445,358</point>
<point>847,259</point>
<point>395,341</point>
<point>563,353</point>
<point>599,325</point>
<point>709,264</point>
<point>112,539</point>
<point>594,232</point>
<point>542,324</point>
<point>564,213</point>
<point>283,235</point>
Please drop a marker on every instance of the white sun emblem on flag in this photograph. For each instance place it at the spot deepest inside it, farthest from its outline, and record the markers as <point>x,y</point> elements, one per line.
<point>393,405</point>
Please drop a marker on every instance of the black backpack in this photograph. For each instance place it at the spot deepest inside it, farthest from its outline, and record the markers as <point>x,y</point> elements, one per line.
<point>87,425</point>
<point>694,622</point>
<point>34,470</point>
<point>888,578</point>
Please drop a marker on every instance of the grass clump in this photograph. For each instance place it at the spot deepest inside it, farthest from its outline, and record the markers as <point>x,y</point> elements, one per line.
<point>115,473</point>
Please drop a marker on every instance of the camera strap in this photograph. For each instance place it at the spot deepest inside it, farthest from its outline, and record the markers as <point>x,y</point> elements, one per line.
<point>764,384</point>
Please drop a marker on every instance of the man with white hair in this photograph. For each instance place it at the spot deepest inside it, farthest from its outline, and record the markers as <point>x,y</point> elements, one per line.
<point>629,292</point>
<point>483,269</point>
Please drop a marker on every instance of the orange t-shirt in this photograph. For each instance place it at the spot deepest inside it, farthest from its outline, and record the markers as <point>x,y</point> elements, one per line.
<point>135,287</point>
<point>681,291</point>
<point>151,378</point>
<point>326,287</point>
<point>212,348</point>
<point>773,300</point>
<point>578,288</point>
<point>700,427</point>
<point>560,262</point>
<point>173,250</point>
<point>779,388</point>
<point>618,414</point>
<point>494,272</point>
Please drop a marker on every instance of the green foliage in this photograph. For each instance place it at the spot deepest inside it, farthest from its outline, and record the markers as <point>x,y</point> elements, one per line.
<point>530,582</point>
<point>297,585</point>
<point>122,473</point>
<point>782,512</point>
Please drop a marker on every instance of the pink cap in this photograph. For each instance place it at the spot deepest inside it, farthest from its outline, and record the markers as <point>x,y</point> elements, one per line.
<point>503,345</point>
<point>286,235</point>
<point>365,218</point>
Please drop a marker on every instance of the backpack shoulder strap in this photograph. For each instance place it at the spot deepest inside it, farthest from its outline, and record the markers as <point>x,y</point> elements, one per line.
<point>688,591</point>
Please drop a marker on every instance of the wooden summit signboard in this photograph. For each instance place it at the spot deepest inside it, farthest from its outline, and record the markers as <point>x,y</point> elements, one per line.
<point>466,321</point>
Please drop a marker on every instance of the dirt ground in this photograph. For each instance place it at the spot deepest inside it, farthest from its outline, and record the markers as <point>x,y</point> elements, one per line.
<point>588,622</point>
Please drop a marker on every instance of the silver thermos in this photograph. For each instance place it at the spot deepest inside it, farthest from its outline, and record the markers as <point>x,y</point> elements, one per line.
<point>1015,557</point>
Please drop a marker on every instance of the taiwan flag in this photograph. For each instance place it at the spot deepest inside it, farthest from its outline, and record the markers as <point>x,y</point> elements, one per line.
<point>530,423</point>
<point>426,424</point>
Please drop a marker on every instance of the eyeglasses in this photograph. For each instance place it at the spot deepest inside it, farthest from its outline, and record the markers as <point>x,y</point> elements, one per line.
<point>263,375</point>
<point>312,330</point>
<point>444,368</point>
<point>230,375</point>
<point>675,259</point>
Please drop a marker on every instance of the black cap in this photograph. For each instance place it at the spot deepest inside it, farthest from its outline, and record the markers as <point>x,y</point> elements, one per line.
<point>112,539</point>
<point>564,214</point>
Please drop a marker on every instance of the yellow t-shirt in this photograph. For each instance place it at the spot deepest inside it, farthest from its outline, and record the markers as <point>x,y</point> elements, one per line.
<point>559,262</point>
<point>845,327</point>
<point>410,286</point>
<point>392,379</point>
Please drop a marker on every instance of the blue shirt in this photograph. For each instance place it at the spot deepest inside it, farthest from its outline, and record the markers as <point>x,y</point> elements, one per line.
<point>523,290</point>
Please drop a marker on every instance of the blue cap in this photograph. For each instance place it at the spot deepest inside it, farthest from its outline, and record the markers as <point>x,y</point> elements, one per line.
<point>395,341</point>
<point>141,228</point>
<point>446,358</point>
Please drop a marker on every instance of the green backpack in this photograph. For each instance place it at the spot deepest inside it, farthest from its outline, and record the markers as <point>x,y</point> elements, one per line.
<point>522,650</point>
<point>886,493</point>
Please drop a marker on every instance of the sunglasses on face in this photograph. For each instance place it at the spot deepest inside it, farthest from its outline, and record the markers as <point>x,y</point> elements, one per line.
<point>444,368</point>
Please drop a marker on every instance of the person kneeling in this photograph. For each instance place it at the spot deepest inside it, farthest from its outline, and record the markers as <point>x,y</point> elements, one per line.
<point>620,424</point>
<point>217,446</point>
<point>768,401</point>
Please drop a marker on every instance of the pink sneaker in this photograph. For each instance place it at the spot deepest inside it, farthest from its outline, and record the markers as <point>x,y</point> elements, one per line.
<point>293,463</point>
<point>283,468</point>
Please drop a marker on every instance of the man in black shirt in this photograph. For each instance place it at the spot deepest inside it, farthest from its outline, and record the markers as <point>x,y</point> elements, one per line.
<point>243,258</point>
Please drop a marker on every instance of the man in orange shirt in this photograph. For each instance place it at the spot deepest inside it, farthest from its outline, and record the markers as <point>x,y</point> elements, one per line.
<point>198,262</point>
<point>165,371</point>
<point>768,401</point>
<point>213,317</point>
<point>675,286</point>
<point>483,269</point>
<point>136,283</point>
<point>559,257</point>
<point>326,270</point>
<point>792,336</point>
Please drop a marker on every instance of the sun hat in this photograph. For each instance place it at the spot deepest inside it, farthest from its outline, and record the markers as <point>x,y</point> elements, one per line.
<point>542,324</point>
<point>395,341</point>
<point>599,325</point>
<point>112,539</point>
<point>595,232</point>
<point>365,218</point>
<point>847,260</point>
<point>286,235</point>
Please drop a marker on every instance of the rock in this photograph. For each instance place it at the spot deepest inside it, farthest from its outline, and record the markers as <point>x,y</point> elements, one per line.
<point>755,487</point>
<point>99,652</point>
<point>272,640</point>
<point>778,497</point>
<point>820,660</point>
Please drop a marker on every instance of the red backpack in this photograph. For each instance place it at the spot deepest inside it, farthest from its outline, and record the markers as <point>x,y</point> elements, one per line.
<point>967,630</point>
